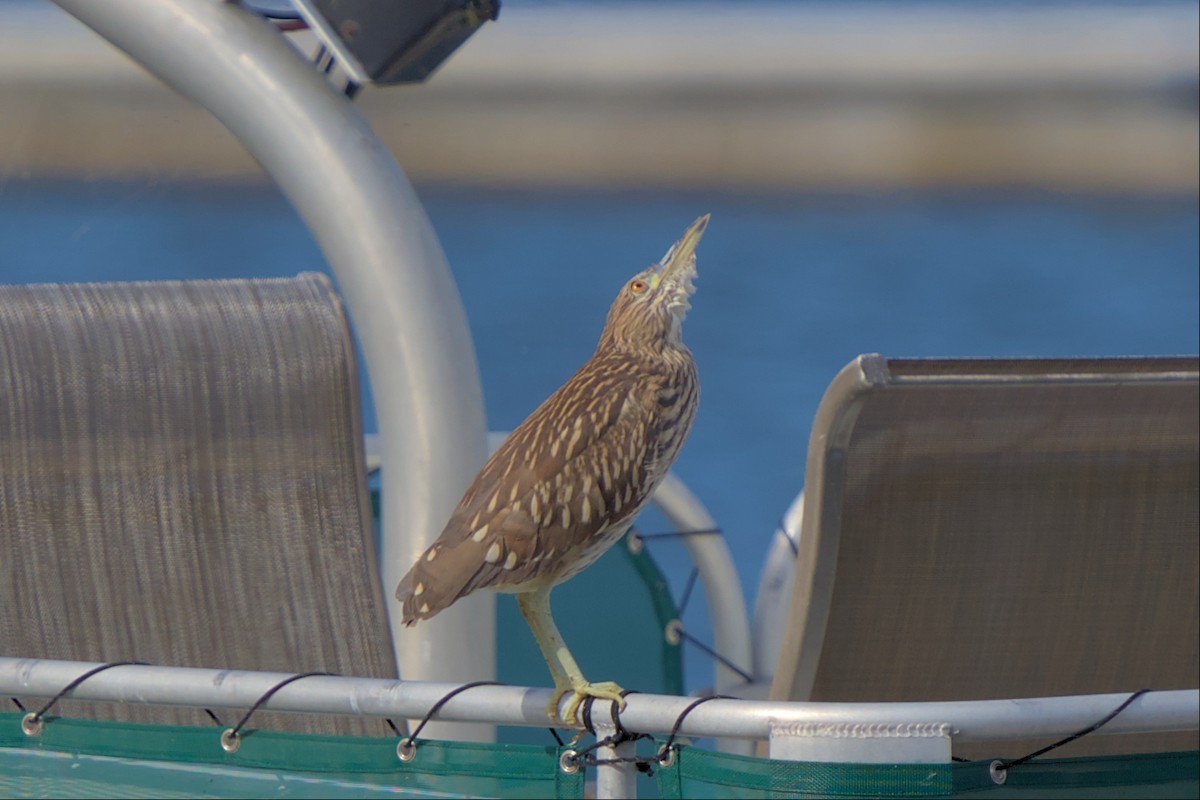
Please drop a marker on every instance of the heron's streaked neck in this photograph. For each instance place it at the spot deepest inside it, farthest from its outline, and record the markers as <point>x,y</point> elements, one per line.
<point>670,346</point>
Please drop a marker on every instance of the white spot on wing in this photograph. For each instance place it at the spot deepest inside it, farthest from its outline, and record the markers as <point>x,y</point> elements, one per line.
<point>432,554</point>
<point>480,534</point>
<point>575,437</point>
<point>420,590</point>
<point>493,553</point>
<point>511,561</point>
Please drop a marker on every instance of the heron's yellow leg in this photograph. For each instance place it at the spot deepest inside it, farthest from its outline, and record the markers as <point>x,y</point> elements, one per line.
<point>535,607</point>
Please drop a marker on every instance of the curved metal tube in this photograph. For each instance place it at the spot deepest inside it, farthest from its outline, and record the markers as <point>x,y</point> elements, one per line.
<point>391,270</point>
<point>970,720</point>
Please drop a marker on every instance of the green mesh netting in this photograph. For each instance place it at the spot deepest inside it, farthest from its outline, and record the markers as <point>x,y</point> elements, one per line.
<point>700,773</point>
<point>84,758</point>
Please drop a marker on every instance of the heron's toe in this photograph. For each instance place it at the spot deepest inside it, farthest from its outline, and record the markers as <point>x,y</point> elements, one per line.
<point>605,690</point>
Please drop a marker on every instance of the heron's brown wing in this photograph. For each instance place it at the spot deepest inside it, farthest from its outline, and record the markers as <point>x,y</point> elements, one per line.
<point>532,469</point>
<point>512,511</point>
<point>563,521</point>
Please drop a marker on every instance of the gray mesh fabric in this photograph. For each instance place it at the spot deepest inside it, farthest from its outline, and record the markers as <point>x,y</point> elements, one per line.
<point>182,482</point>
<point>979,529</point>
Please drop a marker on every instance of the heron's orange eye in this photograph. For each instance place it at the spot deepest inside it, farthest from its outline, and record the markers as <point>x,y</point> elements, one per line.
<point>638,286</point>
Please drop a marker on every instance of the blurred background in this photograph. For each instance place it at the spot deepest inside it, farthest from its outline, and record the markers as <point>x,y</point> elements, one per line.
<point>910,177</point>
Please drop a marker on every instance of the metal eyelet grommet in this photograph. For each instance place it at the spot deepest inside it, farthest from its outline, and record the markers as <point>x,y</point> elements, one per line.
<point>406,749</point>
<point>674,632</point>
<point>230,740</point>
<point>666,759</point>
<point>32,724</point>
<point>567,762</point>
<point>999,775</point>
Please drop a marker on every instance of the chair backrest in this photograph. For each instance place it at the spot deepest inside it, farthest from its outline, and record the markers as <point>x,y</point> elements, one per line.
<point>978,529</point>
<point>182,482</point>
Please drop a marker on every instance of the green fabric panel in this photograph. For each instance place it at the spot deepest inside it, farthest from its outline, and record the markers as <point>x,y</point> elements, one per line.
<point>85,758</point>
<point>700,773</point>
<point>1143,775</point>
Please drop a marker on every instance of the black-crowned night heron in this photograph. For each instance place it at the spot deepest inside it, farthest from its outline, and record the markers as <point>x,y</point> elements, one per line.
<point>568,482</point>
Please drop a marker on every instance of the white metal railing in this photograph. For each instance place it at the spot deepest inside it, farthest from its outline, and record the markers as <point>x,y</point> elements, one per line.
<point>973,720</point>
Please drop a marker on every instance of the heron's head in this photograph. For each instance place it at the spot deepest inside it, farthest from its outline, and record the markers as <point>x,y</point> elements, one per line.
<point>651,306</point>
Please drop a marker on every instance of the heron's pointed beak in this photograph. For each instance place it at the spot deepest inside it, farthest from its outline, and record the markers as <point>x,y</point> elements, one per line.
<point>681,258</point>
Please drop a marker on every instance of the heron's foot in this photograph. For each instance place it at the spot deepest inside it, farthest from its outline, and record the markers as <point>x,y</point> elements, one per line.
<point>605,690</point>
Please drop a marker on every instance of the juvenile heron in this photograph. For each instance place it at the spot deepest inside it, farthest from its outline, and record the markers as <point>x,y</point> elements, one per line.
<point>568,482</point>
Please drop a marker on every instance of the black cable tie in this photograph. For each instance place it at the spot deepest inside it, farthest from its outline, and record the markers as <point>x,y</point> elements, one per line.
<point>212,715</point>
<point>32,721</point>
<point>17,703</point>
<point>678,534</point>
<point>1007,765</point>
<point>615,711</point>
<point>666,748</point>
<point>229,737</point>
<point>587,755</point>
<point>687,590</point>
<point>409,743</point>
<point>643,764</point>
<point>713,653</point>
<point>586,710</point>
<point>557,739</point>
<point>622,733</point>
<point>393,726</point>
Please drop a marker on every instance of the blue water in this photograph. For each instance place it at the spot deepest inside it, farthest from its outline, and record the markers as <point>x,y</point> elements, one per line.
<point>791,288</point>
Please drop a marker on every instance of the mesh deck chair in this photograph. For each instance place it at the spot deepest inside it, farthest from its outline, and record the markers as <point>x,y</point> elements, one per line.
<point>182,482</point>
<point>979,529</point>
